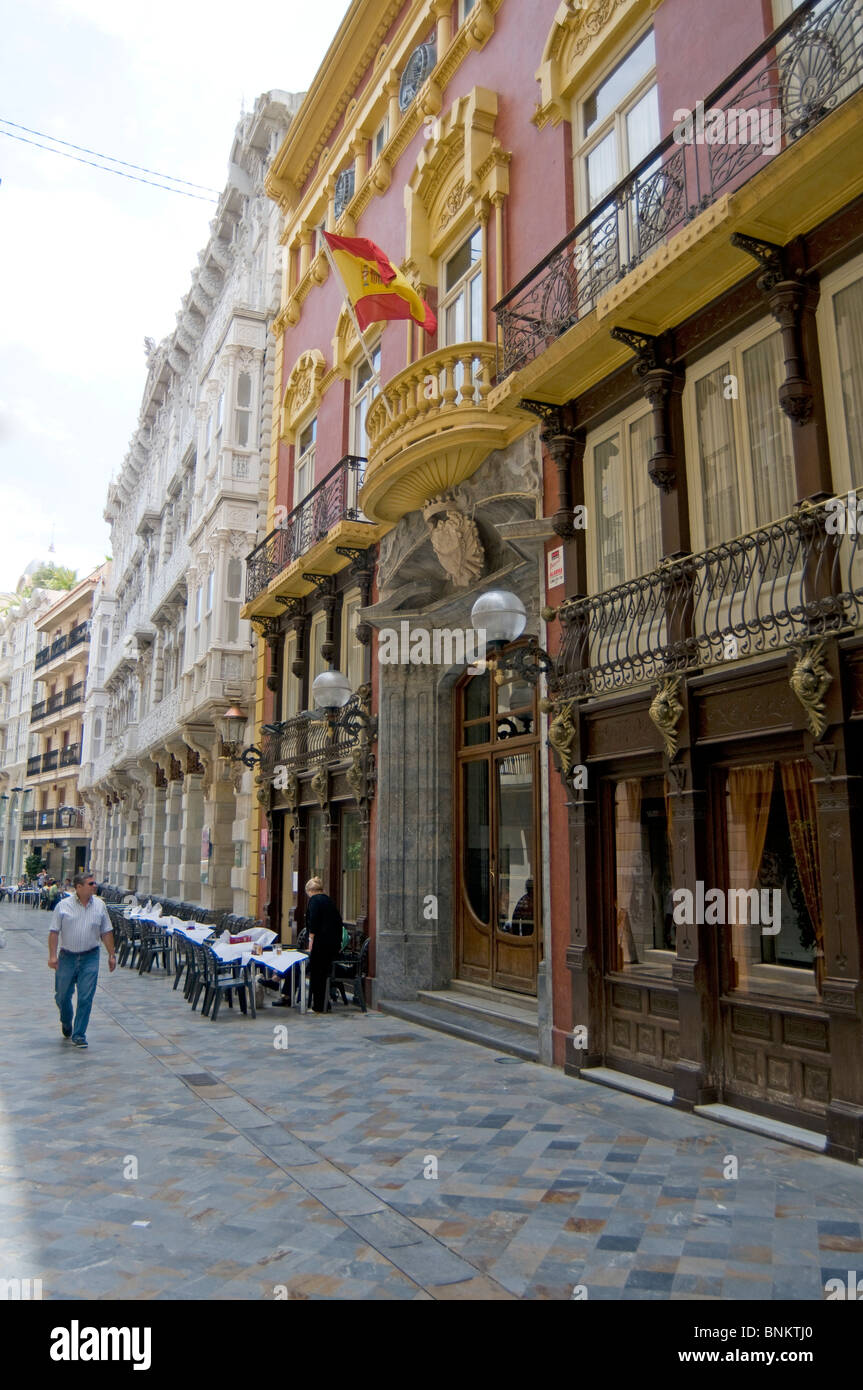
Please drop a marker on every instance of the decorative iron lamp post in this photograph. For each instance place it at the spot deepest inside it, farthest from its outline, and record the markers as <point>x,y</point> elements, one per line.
<point>502,616</point>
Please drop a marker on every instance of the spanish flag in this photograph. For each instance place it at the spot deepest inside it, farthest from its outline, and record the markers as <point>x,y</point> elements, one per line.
<point>376,289</point>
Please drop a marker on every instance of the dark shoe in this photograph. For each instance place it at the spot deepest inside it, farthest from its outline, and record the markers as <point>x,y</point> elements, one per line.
<point>80,1042</point>
<point>67,1032</point>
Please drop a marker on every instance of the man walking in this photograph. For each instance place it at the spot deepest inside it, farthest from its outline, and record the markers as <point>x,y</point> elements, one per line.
<point>78,924</point>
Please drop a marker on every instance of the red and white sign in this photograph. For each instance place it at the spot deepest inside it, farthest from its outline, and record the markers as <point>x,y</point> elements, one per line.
<point>555,567</point>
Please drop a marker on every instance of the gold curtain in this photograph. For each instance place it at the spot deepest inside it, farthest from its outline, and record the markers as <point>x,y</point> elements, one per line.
<point>749,792</point>
<point>802,821</point>
<point>627,839</point>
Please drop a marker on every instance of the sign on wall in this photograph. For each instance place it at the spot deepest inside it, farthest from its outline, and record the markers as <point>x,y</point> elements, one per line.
<point>555,567</point>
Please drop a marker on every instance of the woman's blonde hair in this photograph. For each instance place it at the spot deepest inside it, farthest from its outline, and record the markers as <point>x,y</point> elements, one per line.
<point>314,885</point>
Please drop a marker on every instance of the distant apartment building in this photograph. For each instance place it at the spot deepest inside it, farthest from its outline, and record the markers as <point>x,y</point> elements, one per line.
<point>54,822</point>
<point>17,653</point>
<point>170,652</point>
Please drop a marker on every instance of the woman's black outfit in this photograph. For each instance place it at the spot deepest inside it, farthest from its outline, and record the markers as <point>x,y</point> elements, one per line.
<point>324,923</point>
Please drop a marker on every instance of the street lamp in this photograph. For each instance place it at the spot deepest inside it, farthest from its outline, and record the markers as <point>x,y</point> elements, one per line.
<point>502,616</point>
<point>232,726</point>
<point>331,691</point>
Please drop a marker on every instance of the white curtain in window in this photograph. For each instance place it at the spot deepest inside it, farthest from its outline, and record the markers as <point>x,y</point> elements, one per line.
<point>609,512</point>
<point>647,529</point>
<point>848,313</point>
<point>717,457</point>
<point>769,429</point>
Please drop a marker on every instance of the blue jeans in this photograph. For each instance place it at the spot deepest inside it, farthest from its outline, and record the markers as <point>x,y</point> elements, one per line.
<point>81,968</point>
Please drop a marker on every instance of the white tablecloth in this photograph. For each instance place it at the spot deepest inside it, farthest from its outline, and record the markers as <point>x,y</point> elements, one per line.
<point>279,964</point>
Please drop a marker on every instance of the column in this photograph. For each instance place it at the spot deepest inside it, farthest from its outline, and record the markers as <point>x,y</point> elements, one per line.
<point>191,825</point>
<point>219,812</point>
<point>173,822</point>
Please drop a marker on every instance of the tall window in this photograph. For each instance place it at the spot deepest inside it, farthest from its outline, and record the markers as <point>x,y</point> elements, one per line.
<point>304,465</point>
<point>233,599</point>
<point>462,315</point>
<point>208,441</point>
<point>316,661</point>
<point>290,684</point>
<point>196,626</point>
<point>739,439</point>
<point>840,331</point>
<point>352,651</point>
<point>618,122</point>
<point>366,385</point>
<point>243,410</point>
<point>464,9</point>
<point>625,525</point>
<point>381,135</point>
<point>208,611</point>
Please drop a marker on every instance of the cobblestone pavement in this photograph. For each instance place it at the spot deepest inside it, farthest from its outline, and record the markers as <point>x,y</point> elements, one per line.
<point>299,1173</point>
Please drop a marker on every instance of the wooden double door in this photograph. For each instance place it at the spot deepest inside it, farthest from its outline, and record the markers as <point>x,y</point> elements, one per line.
<point>498,937</point>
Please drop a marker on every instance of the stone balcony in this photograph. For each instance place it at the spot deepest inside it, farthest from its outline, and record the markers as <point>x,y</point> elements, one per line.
<point>430,429</point>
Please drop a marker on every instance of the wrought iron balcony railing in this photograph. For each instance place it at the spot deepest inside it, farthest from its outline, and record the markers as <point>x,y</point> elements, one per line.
<point>333,500</point>
<point>79,634</point>
<point>46,820</point>
<point>806,68</point>
<point>42,658</point>
<point>49,760</point>
<point>70,756</point>
<point>302,742</point>
<point>34,765</point>
<point>37,711</point>
<point>28,820</point>
<point>795,579</point>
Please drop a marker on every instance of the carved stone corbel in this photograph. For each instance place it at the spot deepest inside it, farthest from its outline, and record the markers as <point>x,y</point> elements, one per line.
<point>654,368</point>
<point>788,298</point>
<point>810,680</point>
<point>665,711</point>
<point>320,785</point>
<point>565,447</point>
<point>562,732</point>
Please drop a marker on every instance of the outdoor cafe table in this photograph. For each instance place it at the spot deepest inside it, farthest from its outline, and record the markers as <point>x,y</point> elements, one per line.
<point>280,962</point>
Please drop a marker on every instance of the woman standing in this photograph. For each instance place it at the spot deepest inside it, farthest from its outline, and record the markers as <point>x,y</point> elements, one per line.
<point>324,924</point>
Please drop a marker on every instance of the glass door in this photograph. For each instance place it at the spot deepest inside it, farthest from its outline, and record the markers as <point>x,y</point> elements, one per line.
<point>498,937</point>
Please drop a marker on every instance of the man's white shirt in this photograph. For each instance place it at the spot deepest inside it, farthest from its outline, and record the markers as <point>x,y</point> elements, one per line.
<point>81,928</point>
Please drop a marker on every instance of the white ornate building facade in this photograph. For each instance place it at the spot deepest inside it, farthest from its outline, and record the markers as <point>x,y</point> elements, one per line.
<point>169,651</point>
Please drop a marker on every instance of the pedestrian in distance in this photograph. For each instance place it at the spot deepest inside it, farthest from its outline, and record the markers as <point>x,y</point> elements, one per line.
<point>324,924</point>
<point>78,924</point>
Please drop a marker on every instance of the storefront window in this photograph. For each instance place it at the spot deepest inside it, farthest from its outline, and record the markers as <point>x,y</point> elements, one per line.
<point>774,875</point>
<point>352,858</point>
<point>644,919</point>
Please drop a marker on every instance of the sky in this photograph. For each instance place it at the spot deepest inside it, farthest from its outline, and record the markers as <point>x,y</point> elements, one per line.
<point>91,263</point>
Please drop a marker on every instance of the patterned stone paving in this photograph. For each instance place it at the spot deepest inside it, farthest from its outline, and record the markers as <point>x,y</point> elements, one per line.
<point>301,1172</point>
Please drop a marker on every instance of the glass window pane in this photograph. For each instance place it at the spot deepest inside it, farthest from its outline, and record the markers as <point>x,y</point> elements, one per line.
<point>475,734</point>
<point>244,389</point>
<point>609,513</point>
<point>647,527</point>
<point>475,822</point>
<point>476,307</point>
<point>717,457</point>
<point>602,169</point>
<point>642,126</point>
<point>467,255</point>
<point>314,845</point>
<point>477,697</point>
<point>351,865</point>
<point>610,93</point>
<point>515,868</point>
<point>770,447</point>
<point>848,314</point>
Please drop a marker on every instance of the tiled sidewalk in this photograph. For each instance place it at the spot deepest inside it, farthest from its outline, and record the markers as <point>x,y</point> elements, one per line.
<point>265,1172</point>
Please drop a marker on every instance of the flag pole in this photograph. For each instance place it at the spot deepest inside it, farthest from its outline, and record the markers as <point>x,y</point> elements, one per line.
<point>352,311</point>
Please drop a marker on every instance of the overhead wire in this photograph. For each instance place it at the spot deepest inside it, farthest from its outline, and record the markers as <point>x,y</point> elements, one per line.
<point>209,196</point>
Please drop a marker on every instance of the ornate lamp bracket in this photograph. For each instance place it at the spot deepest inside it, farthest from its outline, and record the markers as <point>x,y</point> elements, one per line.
<point>655,369</point>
